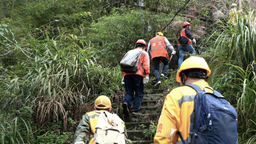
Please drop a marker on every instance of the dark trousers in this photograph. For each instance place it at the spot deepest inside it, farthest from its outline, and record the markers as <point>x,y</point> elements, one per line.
<point>156,62</point>
<point>134,84</point>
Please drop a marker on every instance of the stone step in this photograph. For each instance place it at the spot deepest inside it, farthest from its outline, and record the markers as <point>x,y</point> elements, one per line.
<point>141,117</point>
<point>137,125</point>
<point>152,96</point>
<point>150,110</point>
<point>143,142</point>
<point>148,103</point>
<point>138,135</point>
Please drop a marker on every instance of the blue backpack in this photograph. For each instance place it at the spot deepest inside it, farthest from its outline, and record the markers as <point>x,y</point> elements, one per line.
<point>214,120</point>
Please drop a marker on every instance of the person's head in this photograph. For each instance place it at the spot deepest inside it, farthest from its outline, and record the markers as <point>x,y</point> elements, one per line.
<point>193,69</point>
<point>159,34</point>
<point>102,103</point>
<point>233,6</point>
<point>141,43</point>
<point>186,25</point>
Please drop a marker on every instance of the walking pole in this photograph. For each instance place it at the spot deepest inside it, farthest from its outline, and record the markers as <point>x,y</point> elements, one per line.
<point>170,59</point>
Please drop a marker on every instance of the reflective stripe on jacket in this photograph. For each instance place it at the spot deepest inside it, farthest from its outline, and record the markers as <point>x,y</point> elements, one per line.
<point>158,47</point>
<point>183,33</point>
<point>143,66</point>
<point>175,115</point>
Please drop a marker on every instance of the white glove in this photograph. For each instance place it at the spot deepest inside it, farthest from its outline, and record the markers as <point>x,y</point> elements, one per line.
<point>79,142</point>
<point>194,41</point>
<point>145,80</point>
<point>173,52</point>
<point>122,82</point>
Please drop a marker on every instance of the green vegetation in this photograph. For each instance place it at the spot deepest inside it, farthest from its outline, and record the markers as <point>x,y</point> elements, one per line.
<point>57,56</point>
<point>150,132</point>
<point>235,72</point>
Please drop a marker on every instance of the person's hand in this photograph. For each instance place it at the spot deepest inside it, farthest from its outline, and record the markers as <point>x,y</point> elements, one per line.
<point>122,81</point>
<point>194,41</point>
<point>173,52</point>
<point>145,80</point>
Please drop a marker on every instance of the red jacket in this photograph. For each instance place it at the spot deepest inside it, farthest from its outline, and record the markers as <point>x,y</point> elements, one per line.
<point>143,70</point>
<point>158,47</point>
<point>182,33</point>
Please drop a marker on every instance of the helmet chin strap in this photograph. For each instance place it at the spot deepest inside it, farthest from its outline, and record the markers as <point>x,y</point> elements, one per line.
<point>182,78</point>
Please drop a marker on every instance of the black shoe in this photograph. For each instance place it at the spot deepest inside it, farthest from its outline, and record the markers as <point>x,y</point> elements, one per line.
<point>125,109</point>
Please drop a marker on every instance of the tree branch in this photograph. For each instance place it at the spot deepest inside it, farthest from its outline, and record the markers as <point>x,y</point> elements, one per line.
<point>176,14</point>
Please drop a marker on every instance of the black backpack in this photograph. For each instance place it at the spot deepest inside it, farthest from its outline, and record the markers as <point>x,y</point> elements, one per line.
<point>183,40</point>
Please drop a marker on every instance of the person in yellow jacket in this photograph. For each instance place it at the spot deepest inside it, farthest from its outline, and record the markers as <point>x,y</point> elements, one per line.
<point>179,103</point>
<point>233,12</point>
<point>86,128</point>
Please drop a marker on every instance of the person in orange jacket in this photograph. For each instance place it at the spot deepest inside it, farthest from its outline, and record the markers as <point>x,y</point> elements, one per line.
<point>179,103</point>
<point>134,82</point>
<point>157,47</point>
<point>186,47</point>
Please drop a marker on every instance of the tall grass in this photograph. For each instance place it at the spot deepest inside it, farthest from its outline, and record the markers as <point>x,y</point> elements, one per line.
<point>237,42</point>
<point>16,130</point>
<point>234,69</point>
<point>62,74</point>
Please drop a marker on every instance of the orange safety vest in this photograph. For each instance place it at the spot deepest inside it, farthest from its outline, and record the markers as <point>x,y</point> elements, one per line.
<point>158,47</point>
<point>182,33</point>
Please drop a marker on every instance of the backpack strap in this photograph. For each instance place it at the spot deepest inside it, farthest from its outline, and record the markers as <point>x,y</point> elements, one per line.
<point>139,61</point>
<point>195,87</point>
<point>192,116</point>
<point>181,137</point>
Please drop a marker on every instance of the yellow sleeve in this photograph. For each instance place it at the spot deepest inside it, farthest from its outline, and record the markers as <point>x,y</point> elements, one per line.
<point>169,121</point>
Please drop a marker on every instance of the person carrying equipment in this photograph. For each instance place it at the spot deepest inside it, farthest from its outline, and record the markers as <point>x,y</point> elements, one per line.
<point>233,12</point>
<point>88,126</point>
<point>134,81</point>
<point>157,48</point>
<point>185,42</point>
<point>183,120</point>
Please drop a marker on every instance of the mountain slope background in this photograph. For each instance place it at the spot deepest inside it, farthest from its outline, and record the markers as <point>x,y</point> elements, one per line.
<point>57,56</point>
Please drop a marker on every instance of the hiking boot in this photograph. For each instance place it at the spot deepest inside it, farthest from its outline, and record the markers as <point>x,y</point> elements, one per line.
<point>163,75</point>
<point>125,109</point>
<point>158,83</point>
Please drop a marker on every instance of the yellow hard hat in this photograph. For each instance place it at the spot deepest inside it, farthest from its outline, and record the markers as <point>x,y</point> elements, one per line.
<point>159,33</point>
<point>233,5</point>
<point>102,102</point>
<point>193,62</point>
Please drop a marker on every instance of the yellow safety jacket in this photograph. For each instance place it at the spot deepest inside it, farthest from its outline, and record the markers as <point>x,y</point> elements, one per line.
<point>233,13</point>
<point>86,128</point>
<point>175,115</point>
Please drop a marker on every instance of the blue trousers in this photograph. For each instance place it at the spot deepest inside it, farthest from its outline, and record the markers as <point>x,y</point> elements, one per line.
<point>134,84</point>
<point>156,62</point>
<point>185,48</point>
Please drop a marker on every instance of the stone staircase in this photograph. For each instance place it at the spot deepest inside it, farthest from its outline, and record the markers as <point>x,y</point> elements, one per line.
<point>138,125</point>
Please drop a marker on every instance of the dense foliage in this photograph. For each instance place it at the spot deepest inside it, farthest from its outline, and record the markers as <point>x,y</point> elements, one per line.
<point>58,55</point>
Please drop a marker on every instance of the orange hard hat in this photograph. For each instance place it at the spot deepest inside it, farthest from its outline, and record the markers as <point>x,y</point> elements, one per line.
<point>186,24</point>
<point>141,41</point>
